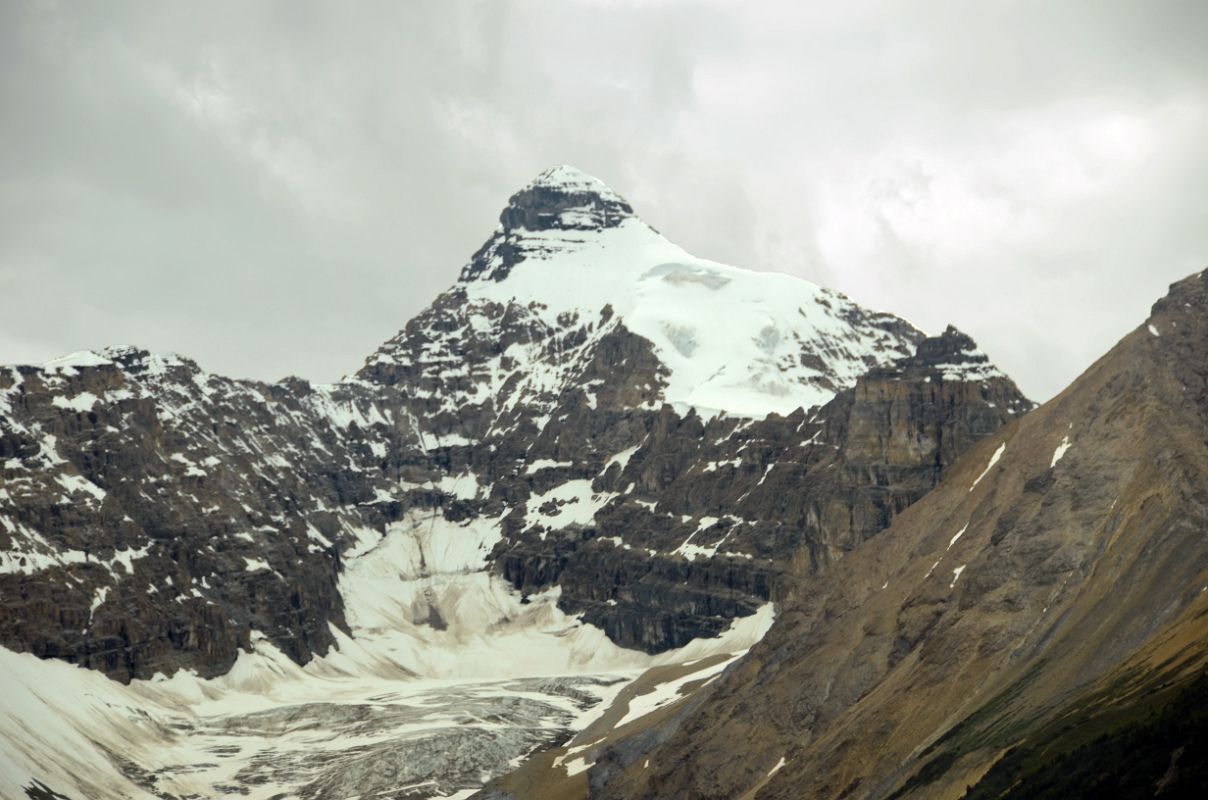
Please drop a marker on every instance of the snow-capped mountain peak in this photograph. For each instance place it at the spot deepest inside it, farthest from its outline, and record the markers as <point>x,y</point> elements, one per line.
<point>513,494</point>
<point>565,197</point>
<point>570,253</point>
<point>559,211</point>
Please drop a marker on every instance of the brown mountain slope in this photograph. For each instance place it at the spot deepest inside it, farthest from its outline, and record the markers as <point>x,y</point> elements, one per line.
<point>1059,559</point>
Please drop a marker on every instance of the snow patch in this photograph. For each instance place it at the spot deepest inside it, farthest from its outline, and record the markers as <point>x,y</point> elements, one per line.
<point>84,401</point>
<point>73,483</point>
<point>666,693</point>
<point>621,458</point>
<point>80,358</point>
<point>993,460</point>
<point>463,486</point>
<point>1060,451</point>
<point>570,503</point>
<point>545,463</point>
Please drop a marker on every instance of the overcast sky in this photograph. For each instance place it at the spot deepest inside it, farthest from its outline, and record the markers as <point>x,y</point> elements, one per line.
<point>275,188</point>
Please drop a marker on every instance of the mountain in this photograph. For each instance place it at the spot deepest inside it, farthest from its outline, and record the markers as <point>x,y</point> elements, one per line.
<point>620,402</point>
<point>1033,627</point>
<point>571,277</point>
<point>710,519</point>
<point>595,454</point>
<point>152,515</point>
<point>521,396</point>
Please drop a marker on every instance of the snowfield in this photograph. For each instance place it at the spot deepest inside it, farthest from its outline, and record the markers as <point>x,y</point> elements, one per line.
<point>446,681</point>
<point>731,338</point>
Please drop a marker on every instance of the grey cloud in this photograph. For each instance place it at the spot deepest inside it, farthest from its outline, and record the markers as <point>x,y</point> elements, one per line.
<point>275,188</point>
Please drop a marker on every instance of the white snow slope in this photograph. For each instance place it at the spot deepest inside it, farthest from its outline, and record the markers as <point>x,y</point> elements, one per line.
<point>446,681</point>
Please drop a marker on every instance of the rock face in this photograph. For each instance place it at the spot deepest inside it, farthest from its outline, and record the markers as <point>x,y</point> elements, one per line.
<point>671,441</point>
<point>1033,627</point>
<point>708,520</point>
<point>560,199</point>
<point>152,515</point>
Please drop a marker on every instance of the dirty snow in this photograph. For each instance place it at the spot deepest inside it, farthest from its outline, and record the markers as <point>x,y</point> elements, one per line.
<point>444,673</point>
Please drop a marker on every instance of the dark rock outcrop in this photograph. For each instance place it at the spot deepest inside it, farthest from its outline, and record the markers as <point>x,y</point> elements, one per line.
<point>152,516</point>
<point>725,515</point>
<point>559,199</point>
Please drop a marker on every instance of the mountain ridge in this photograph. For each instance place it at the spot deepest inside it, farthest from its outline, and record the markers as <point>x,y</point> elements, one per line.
<point>574,469</point>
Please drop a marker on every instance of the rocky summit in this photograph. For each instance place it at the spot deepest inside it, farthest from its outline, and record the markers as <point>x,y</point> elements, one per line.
<point>594,458</point>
